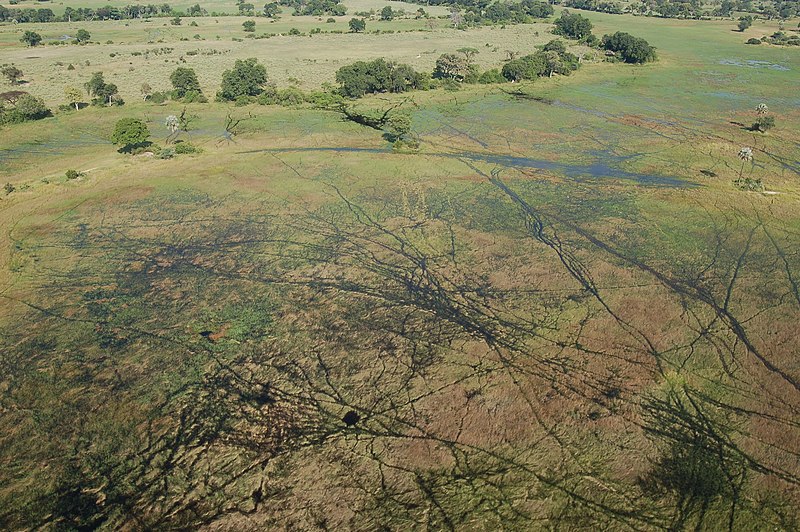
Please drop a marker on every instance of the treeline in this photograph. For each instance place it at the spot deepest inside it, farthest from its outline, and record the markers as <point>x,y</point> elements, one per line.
<point>109,12</point>
<point>692,9</point>
<point>502,12</point>
<point>315,8</point>
<point>615,8</point>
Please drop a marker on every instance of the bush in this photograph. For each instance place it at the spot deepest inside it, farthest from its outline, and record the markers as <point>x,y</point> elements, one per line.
<point>158,97</point>
<point>73,174</point>
<point>753,40</point>
<point>183,148</point>
<point>763,124</point>
<point>749,184</point>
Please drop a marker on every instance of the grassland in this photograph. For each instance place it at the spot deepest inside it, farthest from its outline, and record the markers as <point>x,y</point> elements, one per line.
<point>558,313</point>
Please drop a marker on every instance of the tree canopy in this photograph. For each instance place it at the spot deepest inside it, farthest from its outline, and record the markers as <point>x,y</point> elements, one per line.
<point>246,78</point>
<point>357,25</point>
<point>31,38</point>
<point>629,48</point>
<point>184,81</point>
<point>130,133</point>
<point>380,75</point>
<point>574,26</point>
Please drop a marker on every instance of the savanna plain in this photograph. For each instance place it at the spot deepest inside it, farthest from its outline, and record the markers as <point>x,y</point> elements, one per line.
<point>446,294</point>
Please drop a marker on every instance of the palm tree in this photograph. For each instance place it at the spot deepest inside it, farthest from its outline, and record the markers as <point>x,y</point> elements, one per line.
<point>172,124</point>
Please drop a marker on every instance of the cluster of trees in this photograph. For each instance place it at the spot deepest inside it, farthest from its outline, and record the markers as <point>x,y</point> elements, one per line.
<point>552,59</point>
<point>380,75</point>
<point>615,8</point>
<point>315,7</point>
<point>102,93</point>
<point>19,106</point>
<point>457,67</point>
<point>629,48</point>
<point>503,13</point>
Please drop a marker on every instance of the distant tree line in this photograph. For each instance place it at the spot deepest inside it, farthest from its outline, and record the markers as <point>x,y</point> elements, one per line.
<point>692,9</point>
<point>109,12</point>
<point>315,7</point>
<point>615,8</point>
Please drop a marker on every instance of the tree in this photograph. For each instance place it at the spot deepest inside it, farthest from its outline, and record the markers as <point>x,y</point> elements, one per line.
<point>249,25</point>
<point>26,107</point>
<point>176,21</point>
<point>130,133</point>
<point>172,125</point>
<point>357,25</point>
<point>631,49</point>
<point>247,78</point>
<point>184,80</point>
<point>101,91</point>
<point>380,75</point>
<point>82,36</point>
<point>74,96</point>
<point>146,91</point>
<point>468,53</point>
<point>556,45</point>
<point>745,22</point>
<point>12,73</point>
<point>271,9</point>
<point>387,13</point>
<point>527,67</point>
<point>110,94</point>
<point>95,84</point>
<point>573,26</point>
<point>31,38</point>
<point>452,66</point>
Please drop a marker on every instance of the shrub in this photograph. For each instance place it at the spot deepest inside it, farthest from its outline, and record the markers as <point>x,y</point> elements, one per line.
<point>73,174</point>
<point>763,124</point>
<point>753,40</point>
<point>158,97</point>
<point>183,148</point>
